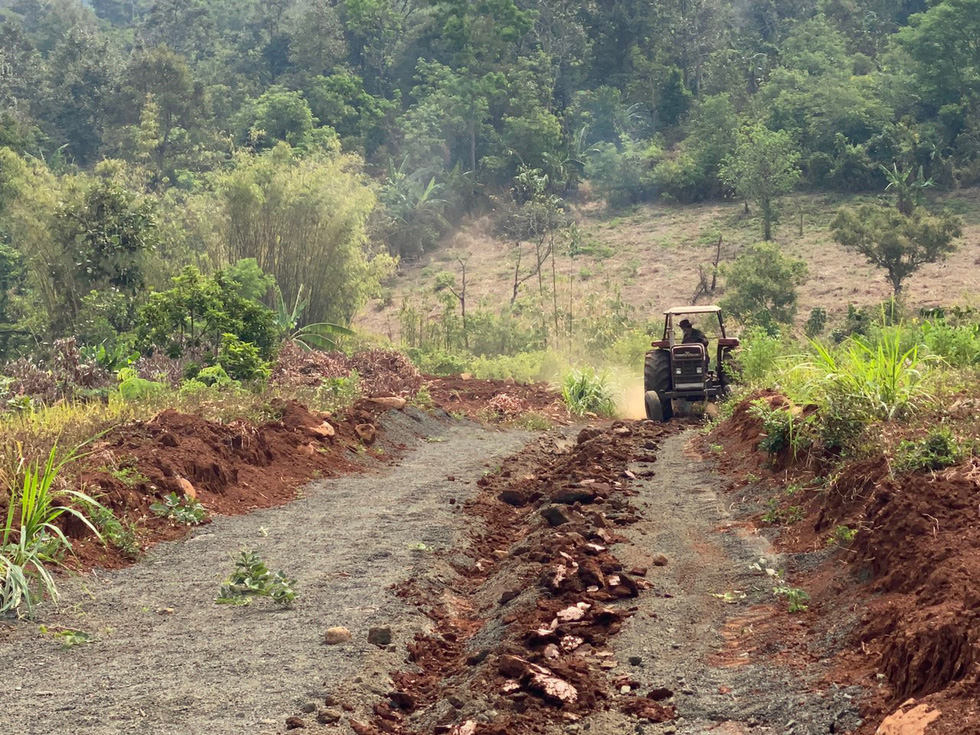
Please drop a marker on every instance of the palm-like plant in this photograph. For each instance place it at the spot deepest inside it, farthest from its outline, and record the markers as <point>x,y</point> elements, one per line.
<point>319,336</point>
<point>31,540</point>
<point>909,185</point>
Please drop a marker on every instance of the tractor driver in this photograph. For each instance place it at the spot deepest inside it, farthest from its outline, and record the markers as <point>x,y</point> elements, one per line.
<point>692,335</point>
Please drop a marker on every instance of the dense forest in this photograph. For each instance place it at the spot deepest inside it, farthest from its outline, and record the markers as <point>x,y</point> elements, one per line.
<point>319,140</point>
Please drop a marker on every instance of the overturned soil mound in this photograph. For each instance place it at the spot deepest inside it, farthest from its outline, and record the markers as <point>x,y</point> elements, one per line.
<point>496,399</point>
<point>228,468</point>
<point>910,541</point>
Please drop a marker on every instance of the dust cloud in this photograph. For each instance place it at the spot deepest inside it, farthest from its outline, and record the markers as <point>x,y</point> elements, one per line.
<point>628,390</point>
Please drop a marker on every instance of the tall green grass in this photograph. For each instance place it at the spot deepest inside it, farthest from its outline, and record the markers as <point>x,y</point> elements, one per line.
<point>32,541</point>
<point>588,392</point>
<point>882,379</point>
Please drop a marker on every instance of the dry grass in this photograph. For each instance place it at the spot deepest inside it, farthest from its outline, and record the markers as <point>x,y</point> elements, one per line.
<point>652,254</point>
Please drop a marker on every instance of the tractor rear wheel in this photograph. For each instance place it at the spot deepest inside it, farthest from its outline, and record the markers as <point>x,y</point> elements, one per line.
<point>656,371</point>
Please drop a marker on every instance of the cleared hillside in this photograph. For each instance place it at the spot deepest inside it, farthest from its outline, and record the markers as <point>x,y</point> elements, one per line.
<point>652,254</point>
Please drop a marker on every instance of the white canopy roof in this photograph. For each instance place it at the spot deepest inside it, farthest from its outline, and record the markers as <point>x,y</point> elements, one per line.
<point>674,310</point>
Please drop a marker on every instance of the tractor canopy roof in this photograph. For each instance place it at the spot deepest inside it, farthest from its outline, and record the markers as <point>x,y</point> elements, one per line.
<point>676,310</point>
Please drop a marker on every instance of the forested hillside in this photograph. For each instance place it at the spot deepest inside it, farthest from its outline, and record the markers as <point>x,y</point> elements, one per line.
<point>321,137</point>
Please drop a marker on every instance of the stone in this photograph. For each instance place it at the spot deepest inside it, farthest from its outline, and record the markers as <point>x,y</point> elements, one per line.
<point>660,560</point>
<point>331,700</point>
<point>635,661</point>
<point>323,431</point>
<point>477,658</point>
<point>379,636</point>
<point>910,719</point>
<point>308,708</point>
<point>555,515</point>
<point>587,434</point>
<point>402,700</point>
<point>186,488</point>
<point>660,694</point>
<point>294,723</point>
<point>517,498</point>
<point>329,716</point>
<point>366,432</point>
<point>509,595</point>
<point>590,573</point>
<point>337,635</point>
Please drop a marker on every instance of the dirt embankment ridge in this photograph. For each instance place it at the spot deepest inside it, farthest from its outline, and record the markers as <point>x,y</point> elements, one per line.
<point>907,570</point>
<point>240,466</point>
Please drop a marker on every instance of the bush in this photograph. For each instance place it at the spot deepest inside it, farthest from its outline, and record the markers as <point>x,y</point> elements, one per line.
<point>816,322</point>
<point>199,311</point>
<point>759,356</point>
<point>242,360</point>
<point>134,388</point>
<point>31,539</point>
<point>939,449</point>
<point>251,579</point>
<point>186,510</point>
<point>881,380</point>
<point>761,287</point>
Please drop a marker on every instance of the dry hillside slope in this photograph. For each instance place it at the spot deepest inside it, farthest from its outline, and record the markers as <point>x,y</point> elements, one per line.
<point>651,253</point>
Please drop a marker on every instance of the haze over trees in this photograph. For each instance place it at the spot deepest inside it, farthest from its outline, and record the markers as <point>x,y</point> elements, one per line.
<point>321,137</point>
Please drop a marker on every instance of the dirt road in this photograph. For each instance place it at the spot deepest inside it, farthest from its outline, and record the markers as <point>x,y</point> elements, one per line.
<point>167,660</point>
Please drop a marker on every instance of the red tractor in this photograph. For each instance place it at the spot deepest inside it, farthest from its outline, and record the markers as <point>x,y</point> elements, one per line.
<point>679,367</point>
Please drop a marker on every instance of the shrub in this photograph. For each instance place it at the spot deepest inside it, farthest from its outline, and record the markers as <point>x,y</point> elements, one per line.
<point>214,376</point>
<point>251,579</point>
<point>186,510</point>
<point>133,388</point>
<point>940,448</point>
<point>881,379</point>
<point>760,355</point>
<point>586,391</point>
<point>816,322</point>
<point>31,540</point>
<point>782,428</point>
<point>242,360</point>
<point>334,394</point>
<point>761,287</point>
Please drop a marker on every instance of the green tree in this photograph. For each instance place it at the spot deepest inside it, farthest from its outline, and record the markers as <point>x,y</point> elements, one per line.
<point>199,312</point>
<point>281,115</point>
<point>161,78</point>
<point>302,218</point>
<point>762,169</point>
<point>897,243</point>
<point>76,95</point>
<point>103,233</point>
<point>760,286</point>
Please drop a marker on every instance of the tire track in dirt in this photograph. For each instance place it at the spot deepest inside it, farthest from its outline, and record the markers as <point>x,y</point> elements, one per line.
<point>692,635</point>
<point>169,661</point>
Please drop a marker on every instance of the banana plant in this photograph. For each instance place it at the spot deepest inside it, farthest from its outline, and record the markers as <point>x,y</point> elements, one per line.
<point>318,336</point>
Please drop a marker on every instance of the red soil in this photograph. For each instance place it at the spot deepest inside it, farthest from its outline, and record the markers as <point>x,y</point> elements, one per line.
<point>915,573</point>
<point>544,592</point>
<point>501,399</point>
<point>233,468</point>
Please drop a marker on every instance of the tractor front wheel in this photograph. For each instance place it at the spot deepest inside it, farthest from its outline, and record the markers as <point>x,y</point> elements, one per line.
<point>657,407</point>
